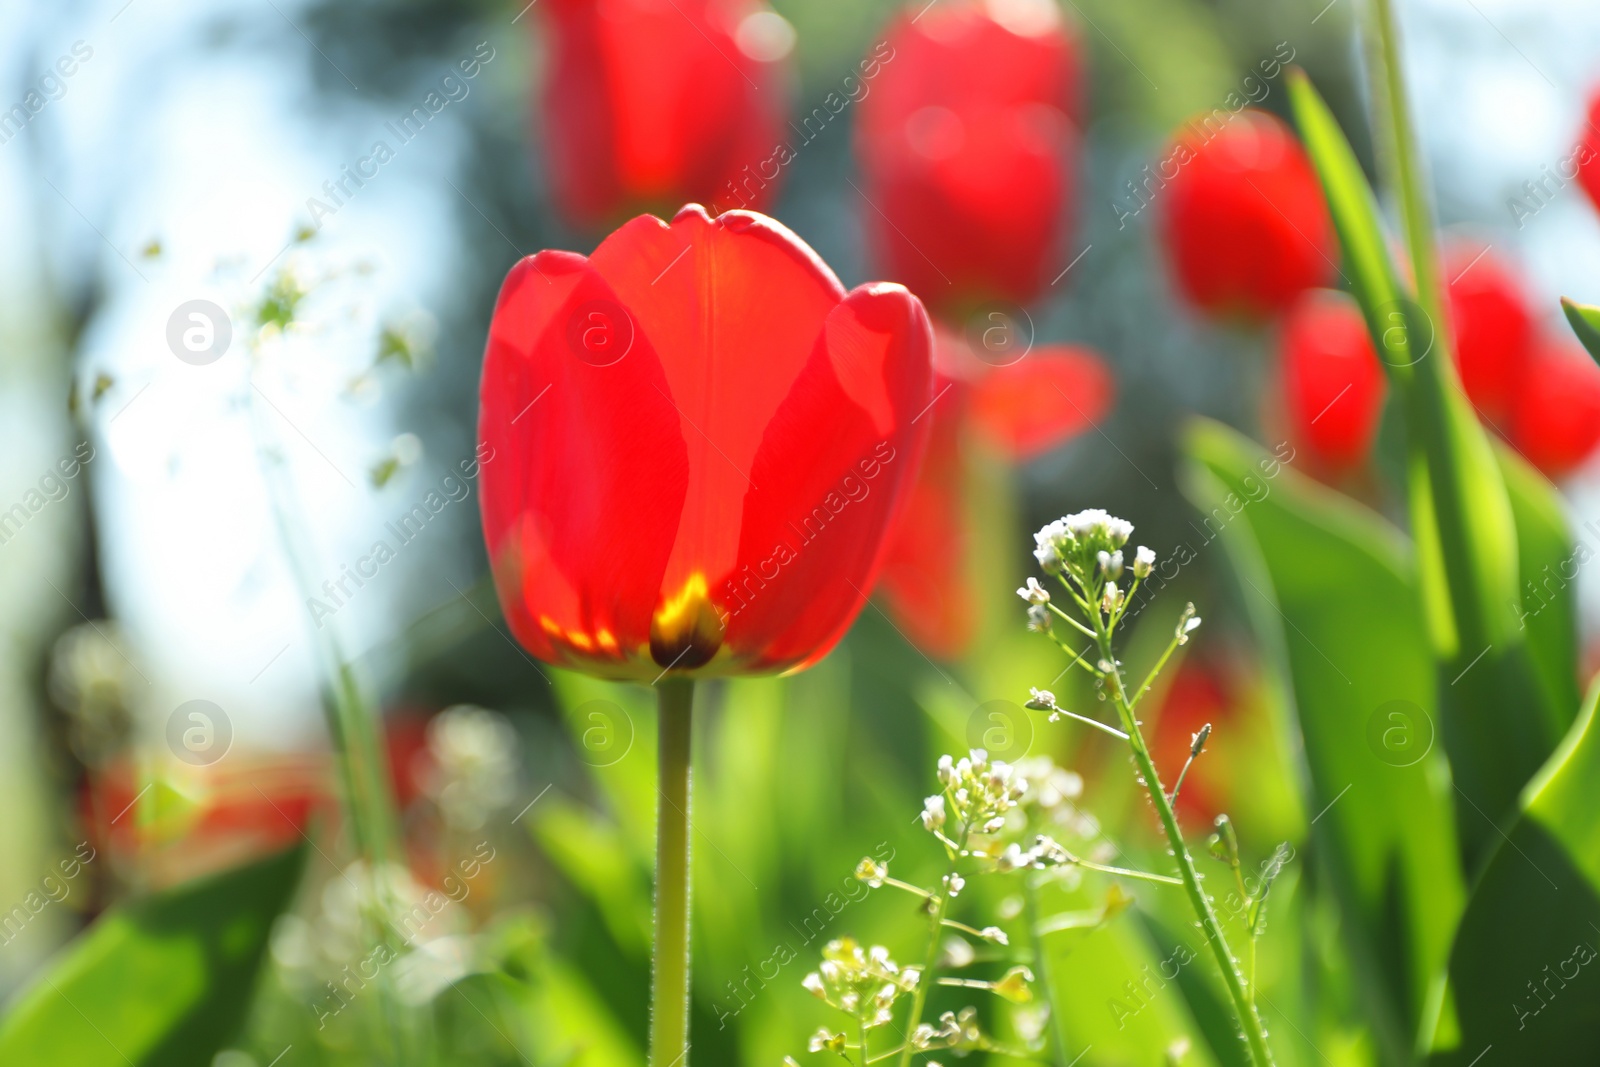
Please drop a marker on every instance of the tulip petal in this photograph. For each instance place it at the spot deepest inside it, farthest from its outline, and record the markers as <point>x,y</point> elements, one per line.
<point>584,465</point>
<point>709,295</point>
<point>834,468</point>
<point>1031,406</point>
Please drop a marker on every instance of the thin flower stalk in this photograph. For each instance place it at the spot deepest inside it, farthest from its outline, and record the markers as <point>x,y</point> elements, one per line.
<point>1084,552</point>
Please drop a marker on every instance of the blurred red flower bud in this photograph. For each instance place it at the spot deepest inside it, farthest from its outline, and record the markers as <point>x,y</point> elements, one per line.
<point>1333,383</point>
<point>966,142</point>
<point>693,443</point>
<point>1556,421</point>
<point>1242,216</point>
<point>649,104</point>
<point>1494,330</point>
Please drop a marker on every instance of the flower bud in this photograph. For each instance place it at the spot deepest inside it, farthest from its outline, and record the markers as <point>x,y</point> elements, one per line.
<point>1034,593</point>
<point>1143,560</point>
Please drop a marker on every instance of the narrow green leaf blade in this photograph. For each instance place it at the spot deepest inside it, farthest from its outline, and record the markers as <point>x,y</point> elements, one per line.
<point>160,982</point>
<point>1332,593</point>
<point>1548,561</point>
<point>1462,518</point>
<point>1585,319</point>
<point>1526,963</point>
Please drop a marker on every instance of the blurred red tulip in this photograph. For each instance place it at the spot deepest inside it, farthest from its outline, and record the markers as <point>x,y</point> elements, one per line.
<point>1030,407</point>
<point>1588,155</point>
<point>1243,219</point>
<point>693,444</point>
<point>965,143</point>
<point>649,104</point>
<point>1333,383</point>
<point>1556,421</point>
<point>1494,330</point>
<point>1021,410</point>
<point>1200,693</point>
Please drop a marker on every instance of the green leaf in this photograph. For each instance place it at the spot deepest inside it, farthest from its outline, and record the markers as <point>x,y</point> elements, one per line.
<point>164,981</point>
<point>1257,919</point>
<point>1213,1014</point>
<point>1526,963</point>
<point>1585,319</point>
<point>1461,515</point>
<point>1548,563</point>
<point>1332,594</point>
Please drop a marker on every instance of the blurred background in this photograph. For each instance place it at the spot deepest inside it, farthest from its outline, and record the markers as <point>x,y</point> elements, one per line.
<point>201,152</point>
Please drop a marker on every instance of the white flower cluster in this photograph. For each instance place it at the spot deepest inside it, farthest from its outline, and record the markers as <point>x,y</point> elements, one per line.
<point>1077,537</point>
<point>980,792</point>
<point>861,983</point>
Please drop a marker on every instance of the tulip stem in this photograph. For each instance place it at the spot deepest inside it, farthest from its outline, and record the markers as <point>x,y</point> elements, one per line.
<point>669,993</point>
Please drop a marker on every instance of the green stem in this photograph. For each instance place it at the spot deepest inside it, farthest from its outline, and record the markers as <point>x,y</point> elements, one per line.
<point>369,805</point>
<point>1041,970</point>
<point>1255,1032</point>
<point>669,988</point>
<point>919,999</point>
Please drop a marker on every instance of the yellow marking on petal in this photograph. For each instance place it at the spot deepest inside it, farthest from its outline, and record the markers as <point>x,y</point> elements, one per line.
<point>686,631</point>
<point>606,641</point>
<point>581,640</point>
<point>550,626</point>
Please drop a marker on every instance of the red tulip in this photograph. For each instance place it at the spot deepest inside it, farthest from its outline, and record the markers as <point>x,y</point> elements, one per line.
<point>1022,410</point>
<point>1556,421</point>
<point>1588,155</point>
<point>1333,384</point>
<point>694,441</point>
<point>649,104</point>
<point>1243,219</point>
<point>965,142</point>
<point>1494,330</point>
